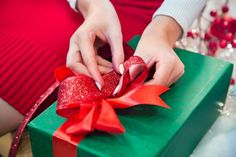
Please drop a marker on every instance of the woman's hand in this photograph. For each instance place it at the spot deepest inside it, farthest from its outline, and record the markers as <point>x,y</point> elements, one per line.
<point>156,47</point>
<point>101,26</point>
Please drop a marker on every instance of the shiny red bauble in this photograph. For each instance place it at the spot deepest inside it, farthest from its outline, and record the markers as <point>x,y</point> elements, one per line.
<point>225,24</point>
<point>229,36</point>
<point>207,36</point>
<point>212,47</point>
<point>233,43</point>
<point>223,44</point>
<point>216,21</point>
<point>213,13</point>
<point>225,8</point>
<point>232,81</point>
<point>190,34</point>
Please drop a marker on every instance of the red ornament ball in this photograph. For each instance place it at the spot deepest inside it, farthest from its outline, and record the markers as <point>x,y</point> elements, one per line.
<point>225,9</point>
<point>223,44</point>
<point>190,34</point>
<point>225,24</point>
<point>229,36</point>
<point>207,36</point>
<point>212,47</point>
<point>213,13</point>
<point>233,43</point>
<point>217,21</point>
<point>232,81</point>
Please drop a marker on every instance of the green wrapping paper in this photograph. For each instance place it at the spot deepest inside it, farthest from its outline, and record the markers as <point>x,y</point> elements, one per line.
<point>153,131</point>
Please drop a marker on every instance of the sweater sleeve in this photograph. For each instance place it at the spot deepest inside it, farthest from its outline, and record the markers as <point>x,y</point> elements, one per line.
<point>72,4</point>
<point>183,11</point>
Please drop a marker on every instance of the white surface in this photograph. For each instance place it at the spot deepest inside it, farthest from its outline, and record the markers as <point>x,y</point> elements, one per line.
<point>220,141</point>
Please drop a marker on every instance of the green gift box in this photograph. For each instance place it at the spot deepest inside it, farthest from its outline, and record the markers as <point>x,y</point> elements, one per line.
<point>151,131</point>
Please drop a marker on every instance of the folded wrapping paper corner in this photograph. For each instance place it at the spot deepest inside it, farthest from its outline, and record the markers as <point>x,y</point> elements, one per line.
<point>87,108</point>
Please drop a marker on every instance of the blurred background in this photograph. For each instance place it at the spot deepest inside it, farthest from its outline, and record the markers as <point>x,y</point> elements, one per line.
<point>213,34</point>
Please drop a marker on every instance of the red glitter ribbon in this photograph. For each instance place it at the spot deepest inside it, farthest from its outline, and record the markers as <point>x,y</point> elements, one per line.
<point>46,98</point>
<point>87,108</point>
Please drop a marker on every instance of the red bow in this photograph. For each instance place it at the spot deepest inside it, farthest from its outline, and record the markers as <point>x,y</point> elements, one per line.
<point>87,108</point>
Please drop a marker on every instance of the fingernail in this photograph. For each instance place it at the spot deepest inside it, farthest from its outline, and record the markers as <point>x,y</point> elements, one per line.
<point>116,90</point>
<point>121,68</point>
<point>98,85</point>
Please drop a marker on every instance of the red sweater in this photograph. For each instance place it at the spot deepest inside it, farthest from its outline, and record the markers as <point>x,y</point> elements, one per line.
<point>34,39</point>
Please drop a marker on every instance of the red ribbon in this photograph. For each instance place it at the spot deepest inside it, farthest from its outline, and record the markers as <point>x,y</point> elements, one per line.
<point>87,108</point>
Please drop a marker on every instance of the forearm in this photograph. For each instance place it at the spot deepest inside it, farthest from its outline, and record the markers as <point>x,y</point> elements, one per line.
<point>87,6</point>
<point>84,6</point>
<point>164,29</point>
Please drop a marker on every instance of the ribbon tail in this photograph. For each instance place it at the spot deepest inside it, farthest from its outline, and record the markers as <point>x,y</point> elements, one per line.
<point>83,126</point>
<point>146,94</point>
<point>108,120</point>
<point>63,143</point>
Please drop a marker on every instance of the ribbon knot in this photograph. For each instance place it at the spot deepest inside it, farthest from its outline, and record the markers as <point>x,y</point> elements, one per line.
<point>87,108</point>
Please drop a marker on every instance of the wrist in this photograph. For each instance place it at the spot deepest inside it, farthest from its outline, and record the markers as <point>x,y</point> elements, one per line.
<point>86,7</point>
<point>83,6</point>
<point>164,29</point>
